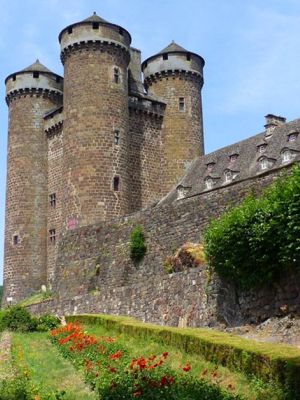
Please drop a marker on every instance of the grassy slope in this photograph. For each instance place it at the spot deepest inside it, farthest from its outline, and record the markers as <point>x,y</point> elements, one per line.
<point>33,353</point>
<point>249,389</point>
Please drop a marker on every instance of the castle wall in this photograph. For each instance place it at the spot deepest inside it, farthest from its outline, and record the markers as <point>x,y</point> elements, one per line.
<point>54,209</point>
<point>144,158</point>
<point>95,272</point>
<point>182,133</point>
<point>26,202</point>
<point>95,106</point>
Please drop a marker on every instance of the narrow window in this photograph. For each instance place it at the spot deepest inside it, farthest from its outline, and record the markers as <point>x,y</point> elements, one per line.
<point>116,183</point>
<point>116,75</point>
<point>210,166</point>
<point>121,31</point>
<point>145,64</point>
<point>95,25</point>
<point>14,77</point>
<point>16,239</point>
<point>181,104</point>
<point>58,79</point>
<point>116,136</point>
<point>165,56</point>
<point>52,236</point>
<point>233,158</point>
<point>70,30</point>
<point>188,56</point>
<point>52,200</point>
<point>36,74</point>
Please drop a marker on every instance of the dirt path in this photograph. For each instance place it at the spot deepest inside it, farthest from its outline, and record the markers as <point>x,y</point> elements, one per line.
<point>6,369</point>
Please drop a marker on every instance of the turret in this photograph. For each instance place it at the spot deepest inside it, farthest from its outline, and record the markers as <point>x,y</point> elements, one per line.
<point>96,55</point>
<point>30,93</point>
<point>176,75</point>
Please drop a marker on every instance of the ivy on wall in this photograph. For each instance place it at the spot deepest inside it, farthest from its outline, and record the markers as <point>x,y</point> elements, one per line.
<point>254,243</point>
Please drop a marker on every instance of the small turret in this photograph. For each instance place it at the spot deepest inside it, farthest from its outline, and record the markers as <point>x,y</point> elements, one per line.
<point>176,75</point>
<point>30,93</point>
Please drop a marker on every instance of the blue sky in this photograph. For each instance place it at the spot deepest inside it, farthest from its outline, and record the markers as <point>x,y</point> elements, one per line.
<point>251,49</point>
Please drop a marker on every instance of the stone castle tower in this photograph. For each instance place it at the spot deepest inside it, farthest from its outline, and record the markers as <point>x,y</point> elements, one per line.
<point>96,145</point>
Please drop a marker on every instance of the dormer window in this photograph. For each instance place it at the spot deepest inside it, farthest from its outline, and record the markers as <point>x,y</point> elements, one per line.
<point>209,183</point>
<point>188,56</point>
<point>264,164</point>
<point>286,156</point>
<point>70,30</point>
<point>210,166</point>
<point>292,137</point>
<point>261,148</point>
<point>182,192</point>
<point>228,176</point>
<point>95,25</point>
<point>233,157</point>
<point>14,77</point>
<point>36,74</point>
<point>121,32</point>
<point>165,56</point>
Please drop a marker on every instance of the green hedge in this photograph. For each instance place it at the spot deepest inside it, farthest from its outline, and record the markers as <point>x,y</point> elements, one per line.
<point>278,363</point>
<point>254,243</point>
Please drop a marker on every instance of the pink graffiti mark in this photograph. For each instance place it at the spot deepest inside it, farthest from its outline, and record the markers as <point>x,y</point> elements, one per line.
<point>72,223</point>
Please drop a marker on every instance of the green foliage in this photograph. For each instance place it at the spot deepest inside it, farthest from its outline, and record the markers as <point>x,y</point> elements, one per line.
<point>279,364</point>
<point>47,322</point>
<point>138,246</point>
<point>254,243</point>
<point>17,388</point>
<point>19,319</point>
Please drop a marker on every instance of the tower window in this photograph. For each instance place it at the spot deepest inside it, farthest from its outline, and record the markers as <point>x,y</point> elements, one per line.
<point>116,183</point>
<point>286,156</point>
<point>261,148</point>
<point>58,79</point>
<point>14,77</point>
<point>209,183</point>
<point>210,166</point>
<point>116,136</point>
<point>116,75</point>
<point>52,236</point>
<point>145,64</point>
<point>121,31</point>
<point>181,104</point>
<point>16,239</point>
<point>95,25</point>
<point>53,200</point>
<point>233,158</point>
<point>36,74</point>
<point>165,56</point>
<point>70,30</point>
<point>188,56</point>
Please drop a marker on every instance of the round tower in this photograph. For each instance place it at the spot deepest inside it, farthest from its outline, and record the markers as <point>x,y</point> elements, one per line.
<point>176,76</point>
<point>95,55</point>
<point>30,93</point>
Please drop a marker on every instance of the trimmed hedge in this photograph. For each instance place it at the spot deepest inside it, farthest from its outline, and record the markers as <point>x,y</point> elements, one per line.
<point>269,362</point>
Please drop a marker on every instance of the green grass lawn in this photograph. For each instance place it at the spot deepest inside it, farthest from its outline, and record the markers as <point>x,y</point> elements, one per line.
<point>33,354</point>
<point>250,389</point>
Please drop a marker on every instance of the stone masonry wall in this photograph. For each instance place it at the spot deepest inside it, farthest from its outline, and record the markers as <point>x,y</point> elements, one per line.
<point>95,273</point>
<point>55,160</point>
<point>144,158</point>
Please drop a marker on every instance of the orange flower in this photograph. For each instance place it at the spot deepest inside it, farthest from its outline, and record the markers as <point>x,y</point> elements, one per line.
<point>165,354</point>
<point>116,356</point>
<point>187,367</point>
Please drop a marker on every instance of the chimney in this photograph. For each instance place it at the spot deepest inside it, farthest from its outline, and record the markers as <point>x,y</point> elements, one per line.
<point>272,121</point>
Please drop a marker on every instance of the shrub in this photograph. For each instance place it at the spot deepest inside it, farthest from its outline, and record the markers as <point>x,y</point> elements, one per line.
<point>253,243</point>
<point>138,246</point>
<point>19,319</point>
<point>47,322</point>
<point>17,388</point>
<point>190,255</point>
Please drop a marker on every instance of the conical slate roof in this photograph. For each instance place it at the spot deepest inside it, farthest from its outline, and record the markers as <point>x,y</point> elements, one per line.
<point>173,47</point>
<point>94,18</point>
<point>37,66</point>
